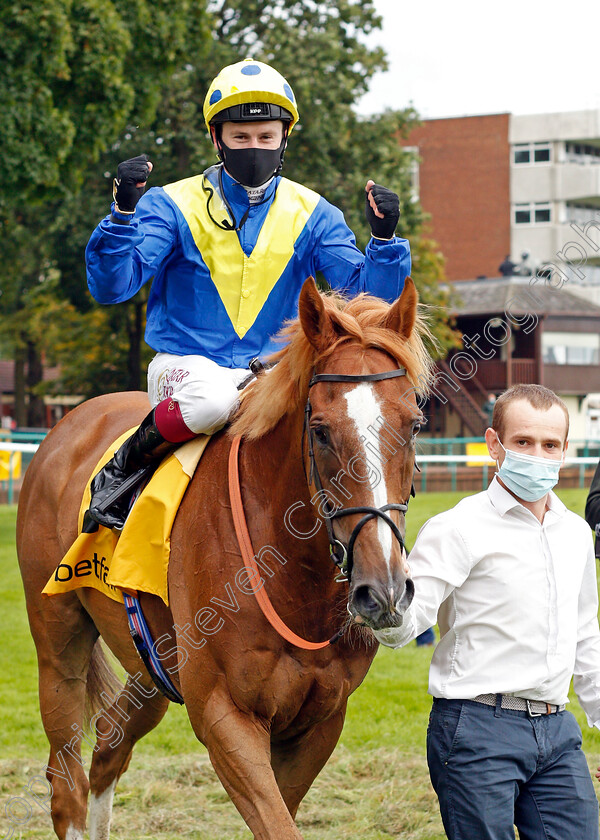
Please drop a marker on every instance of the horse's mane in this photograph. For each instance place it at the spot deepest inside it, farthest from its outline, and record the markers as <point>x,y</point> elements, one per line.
<point>280,391</point>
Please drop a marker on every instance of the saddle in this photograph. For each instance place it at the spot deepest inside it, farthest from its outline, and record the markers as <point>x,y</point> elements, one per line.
<point>138,558</point>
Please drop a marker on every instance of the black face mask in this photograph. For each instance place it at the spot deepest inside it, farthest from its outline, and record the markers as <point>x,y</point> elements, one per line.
<point>252,167</point>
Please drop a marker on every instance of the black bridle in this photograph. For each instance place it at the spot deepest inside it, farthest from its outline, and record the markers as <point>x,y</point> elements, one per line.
<point>343,556</point>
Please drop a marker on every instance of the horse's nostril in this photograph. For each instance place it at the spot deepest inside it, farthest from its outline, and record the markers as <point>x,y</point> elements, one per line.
<point>407,595</point>
<point>365,601</point>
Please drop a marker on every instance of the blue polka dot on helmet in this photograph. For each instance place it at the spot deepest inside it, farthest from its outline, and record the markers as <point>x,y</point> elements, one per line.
<point>249,91</point>
<point>251,70</point>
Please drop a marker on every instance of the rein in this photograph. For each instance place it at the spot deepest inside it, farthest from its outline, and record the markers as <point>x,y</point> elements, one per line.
<point>341,556</point>
<point>243,536</point>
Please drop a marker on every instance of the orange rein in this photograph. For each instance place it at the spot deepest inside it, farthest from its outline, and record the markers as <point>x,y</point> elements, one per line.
<point>245,543</point>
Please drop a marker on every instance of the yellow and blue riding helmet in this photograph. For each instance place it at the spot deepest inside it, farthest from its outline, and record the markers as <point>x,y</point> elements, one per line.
<point>249,91</point>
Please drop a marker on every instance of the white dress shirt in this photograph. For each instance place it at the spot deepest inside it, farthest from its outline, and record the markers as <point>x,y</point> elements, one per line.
<point>516,602</point>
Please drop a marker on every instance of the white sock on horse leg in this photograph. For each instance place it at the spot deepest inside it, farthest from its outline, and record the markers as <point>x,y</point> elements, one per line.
<point>101,813</point>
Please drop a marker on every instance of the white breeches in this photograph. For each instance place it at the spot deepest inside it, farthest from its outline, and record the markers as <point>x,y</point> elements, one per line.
<point>206,392</point>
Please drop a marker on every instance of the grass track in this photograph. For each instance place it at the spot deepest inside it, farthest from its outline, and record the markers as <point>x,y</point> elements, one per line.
<point>375,787</point>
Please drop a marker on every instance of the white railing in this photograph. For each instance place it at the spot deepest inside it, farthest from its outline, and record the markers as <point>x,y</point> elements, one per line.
<point>484,460</point>
<point>452,461</point>
<point>12,449</point>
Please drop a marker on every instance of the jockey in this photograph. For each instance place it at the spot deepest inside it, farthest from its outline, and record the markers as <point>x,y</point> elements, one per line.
<point>227,252</point>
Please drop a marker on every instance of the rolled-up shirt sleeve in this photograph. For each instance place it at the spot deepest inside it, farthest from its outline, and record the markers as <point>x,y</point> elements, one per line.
<point>586,674</point>
<point>440,562</point>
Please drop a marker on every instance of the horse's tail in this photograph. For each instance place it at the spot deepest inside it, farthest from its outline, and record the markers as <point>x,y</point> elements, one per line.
<point>102,686</point>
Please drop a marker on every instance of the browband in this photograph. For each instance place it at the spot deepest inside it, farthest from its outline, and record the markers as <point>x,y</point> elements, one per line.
<point>356,377</point>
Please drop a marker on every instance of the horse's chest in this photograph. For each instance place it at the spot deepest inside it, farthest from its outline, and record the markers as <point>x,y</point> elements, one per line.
<point>308,695</point>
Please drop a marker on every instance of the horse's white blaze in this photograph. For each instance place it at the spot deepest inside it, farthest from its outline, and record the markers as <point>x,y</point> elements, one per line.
<point>364,410</point>
<point>73,834</point>
<point>100,814</point>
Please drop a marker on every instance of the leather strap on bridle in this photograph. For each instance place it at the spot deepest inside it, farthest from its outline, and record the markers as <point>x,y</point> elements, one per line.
<point>356,377</point>
<point>345,561</point>
<point>243,536</point>
<point>343,556</point>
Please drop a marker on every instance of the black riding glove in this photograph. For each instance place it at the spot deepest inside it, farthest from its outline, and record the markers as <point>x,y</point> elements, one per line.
<point>387,203</point>
<point>125,190</point>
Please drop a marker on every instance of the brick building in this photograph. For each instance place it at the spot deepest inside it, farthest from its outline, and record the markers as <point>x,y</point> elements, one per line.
<point>502,185</point>
<point>464,183</point>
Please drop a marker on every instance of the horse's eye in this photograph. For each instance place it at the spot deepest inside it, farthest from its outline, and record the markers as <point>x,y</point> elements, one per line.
<point>322,435</point>
<point>416,429</point>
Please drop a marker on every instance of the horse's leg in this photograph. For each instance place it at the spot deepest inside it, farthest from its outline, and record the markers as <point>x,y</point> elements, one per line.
<point>135,714</point>
<point>65,639</point>
<point>239,748</point>
<point>298,761</point>
<point>125,715</point>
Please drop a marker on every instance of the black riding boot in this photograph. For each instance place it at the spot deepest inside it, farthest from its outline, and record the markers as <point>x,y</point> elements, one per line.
<point>113,487</point>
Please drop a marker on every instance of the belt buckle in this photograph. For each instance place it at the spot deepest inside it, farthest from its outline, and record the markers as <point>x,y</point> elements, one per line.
<point>530,713</point>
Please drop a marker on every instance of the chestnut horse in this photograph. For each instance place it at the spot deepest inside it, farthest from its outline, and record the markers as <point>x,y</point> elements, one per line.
<point>270,713</point>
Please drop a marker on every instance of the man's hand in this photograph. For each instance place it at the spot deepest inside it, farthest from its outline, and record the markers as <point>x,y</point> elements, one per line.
<point>382,210</point>
<point>597,774</point>
<point>130,183</point>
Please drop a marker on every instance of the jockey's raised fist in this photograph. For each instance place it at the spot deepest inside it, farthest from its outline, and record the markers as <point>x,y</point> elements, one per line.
<point>130,183</point>
<point>382,210</point>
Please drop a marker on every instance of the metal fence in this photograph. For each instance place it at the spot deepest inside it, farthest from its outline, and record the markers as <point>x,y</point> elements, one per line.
<point>450,455</point>
<point>14,465</point>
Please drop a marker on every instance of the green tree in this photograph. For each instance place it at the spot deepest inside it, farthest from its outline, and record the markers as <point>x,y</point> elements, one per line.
<point>156,99</point>
<point>75,74</point>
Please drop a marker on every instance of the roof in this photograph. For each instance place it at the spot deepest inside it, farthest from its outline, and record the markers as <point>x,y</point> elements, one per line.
<point>516,296</point>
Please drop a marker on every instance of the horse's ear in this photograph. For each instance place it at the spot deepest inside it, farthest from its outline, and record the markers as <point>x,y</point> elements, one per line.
<point>316,322</point>
<point>403,313</point>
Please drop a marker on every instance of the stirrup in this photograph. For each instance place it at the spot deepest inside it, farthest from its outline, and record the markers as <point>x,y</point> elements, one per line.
<point>125,488</point>
<point>101,514</point>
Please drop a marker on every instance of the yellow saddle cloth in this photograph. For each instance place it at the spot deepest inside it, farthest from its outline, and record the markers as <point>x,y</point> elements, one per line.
<point>138,558</point>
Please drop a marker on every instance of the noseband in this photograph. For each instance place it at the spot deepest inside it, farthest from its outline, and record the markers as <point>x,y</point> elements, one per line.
<point>343,556</point>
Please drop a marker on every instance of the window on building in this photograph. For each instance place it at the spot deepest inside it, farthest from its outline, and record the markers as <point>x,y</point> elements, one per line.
<point>414,171</point>
<point>532,153</point>
<point>531,213</point>
<point>541,213</point>
<point>582,213</point>
<point>582,153</point>
<point>522,153</point>
<point>564,348</point>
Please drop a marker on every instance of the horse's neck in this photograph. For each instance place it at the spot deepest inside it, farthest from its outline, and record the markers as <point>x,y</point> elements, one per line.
<point>278,502</point>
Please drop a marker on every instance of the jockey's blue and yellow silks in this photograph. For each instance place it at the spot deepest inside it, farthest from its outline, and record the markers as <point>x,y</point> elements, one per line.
<point>243,282</point>
<point>225,294</point>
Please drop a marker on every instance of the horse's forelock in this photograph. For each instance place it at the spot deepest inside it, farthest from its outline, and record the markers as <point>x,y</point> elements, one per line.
<point>285,387</point>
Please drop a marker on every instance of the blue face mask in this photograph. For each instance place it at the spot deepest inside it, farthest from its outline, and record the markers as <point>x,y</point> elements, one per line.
<point>527,476</point>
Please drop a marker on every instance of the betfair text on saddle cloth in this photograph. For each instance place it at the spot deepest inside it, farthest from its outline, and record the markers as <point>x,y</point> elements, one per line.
<point>227,251</point>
